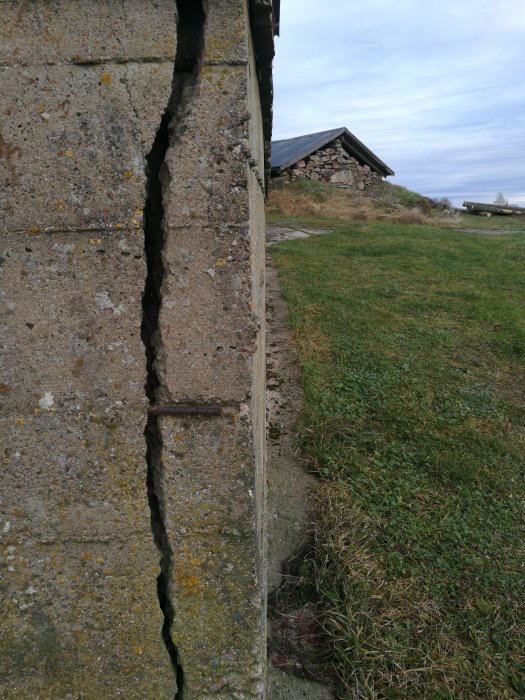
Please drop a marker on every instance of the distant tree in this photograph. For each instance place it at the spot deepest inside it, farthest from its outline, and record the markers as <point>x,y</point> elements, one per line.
<point>501,200</point>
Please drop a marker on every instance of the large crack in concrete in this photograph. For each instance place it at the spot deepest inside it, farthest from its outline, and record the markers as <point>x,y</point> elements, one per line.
<point>190,40</point>
<point>153,244</point>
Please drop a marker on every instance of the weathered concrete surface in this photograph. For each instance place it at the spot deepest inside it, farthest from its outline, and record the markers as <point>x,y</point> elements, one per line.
<point>78,123</point>
<point>209,496</point>
<point>83,87</point>
<point>282,686</point>
<point>57,31</point>
<point>74,149</point>
<point>210,350</point>
<point>277,233</point>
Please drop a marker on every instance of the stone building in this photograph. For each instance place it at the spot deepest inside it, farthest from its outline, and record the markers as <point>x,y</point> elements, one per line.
<point>334,156</point>
<point>133,141</point>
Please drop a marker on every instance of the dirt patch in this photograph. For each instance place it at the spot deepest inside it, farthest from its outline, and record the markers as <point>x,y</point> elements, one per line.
<point>489,232</point>
<point>295,642</point>
<point>288,483</point>
<point>275,234</point>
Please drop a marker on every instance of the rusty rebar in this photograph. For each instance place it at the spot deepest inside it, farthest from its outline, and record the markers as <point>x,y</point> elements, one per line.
<point>181,409</point>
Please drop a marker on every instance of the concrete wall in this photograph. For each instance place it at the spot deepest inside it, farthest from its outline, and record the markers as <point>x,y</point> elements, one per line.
<point>132,171</point>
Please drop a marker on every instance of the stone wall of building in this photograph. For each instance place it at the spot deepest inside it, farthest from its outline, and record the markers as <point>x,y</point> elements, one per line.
<point>333,164</point>
<point>132,356</point>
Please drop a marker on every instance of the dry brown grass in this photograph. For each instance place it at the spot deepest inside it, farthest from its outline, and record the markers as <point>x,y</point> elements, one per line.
<point>332,203</point>
<point>312,344</point>
<point>390,638</point>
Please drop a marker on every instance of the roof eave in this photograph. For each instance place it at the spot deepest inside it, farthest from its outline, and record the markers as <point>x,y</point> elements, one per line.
<point>367,156</point>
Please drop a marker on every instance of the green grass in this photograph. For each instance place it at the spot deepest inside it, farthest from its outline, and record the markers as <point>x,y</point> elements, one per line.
<point>516,223</point>
<point>411,345</point>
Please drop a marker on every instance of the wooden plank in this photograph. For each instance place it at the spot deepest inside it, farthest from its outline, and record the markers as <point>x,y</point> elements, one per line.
<point>494,209</point>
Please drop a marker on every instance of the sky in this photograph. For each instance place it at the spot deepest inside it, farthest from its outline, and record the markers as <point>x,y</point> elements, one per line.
<point>435,89</point>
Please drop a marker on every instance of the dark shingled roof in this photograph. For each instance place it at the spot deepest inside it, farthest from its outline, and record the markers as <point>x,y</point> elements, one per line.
<point>289,151</point>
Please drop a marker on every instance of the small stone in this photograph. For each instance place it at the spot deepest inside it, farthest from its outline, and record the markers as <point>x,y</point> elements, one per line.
<point>47,401</point>
<point>343,177</point>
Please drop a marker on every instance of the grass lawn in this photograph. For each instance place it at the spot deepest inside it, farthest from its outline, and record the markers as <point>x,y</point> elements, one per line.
<point>516,223</point>
<point>411,344</point>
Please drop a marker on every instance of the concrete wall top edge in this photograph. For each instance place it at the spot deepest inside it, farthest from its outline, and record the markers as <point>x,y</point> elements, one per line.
<point>77,32</point>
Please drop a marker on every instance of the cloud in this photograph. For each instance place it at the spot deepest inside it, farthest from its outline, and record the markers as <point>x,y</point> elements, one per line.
<point>436,91</point>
